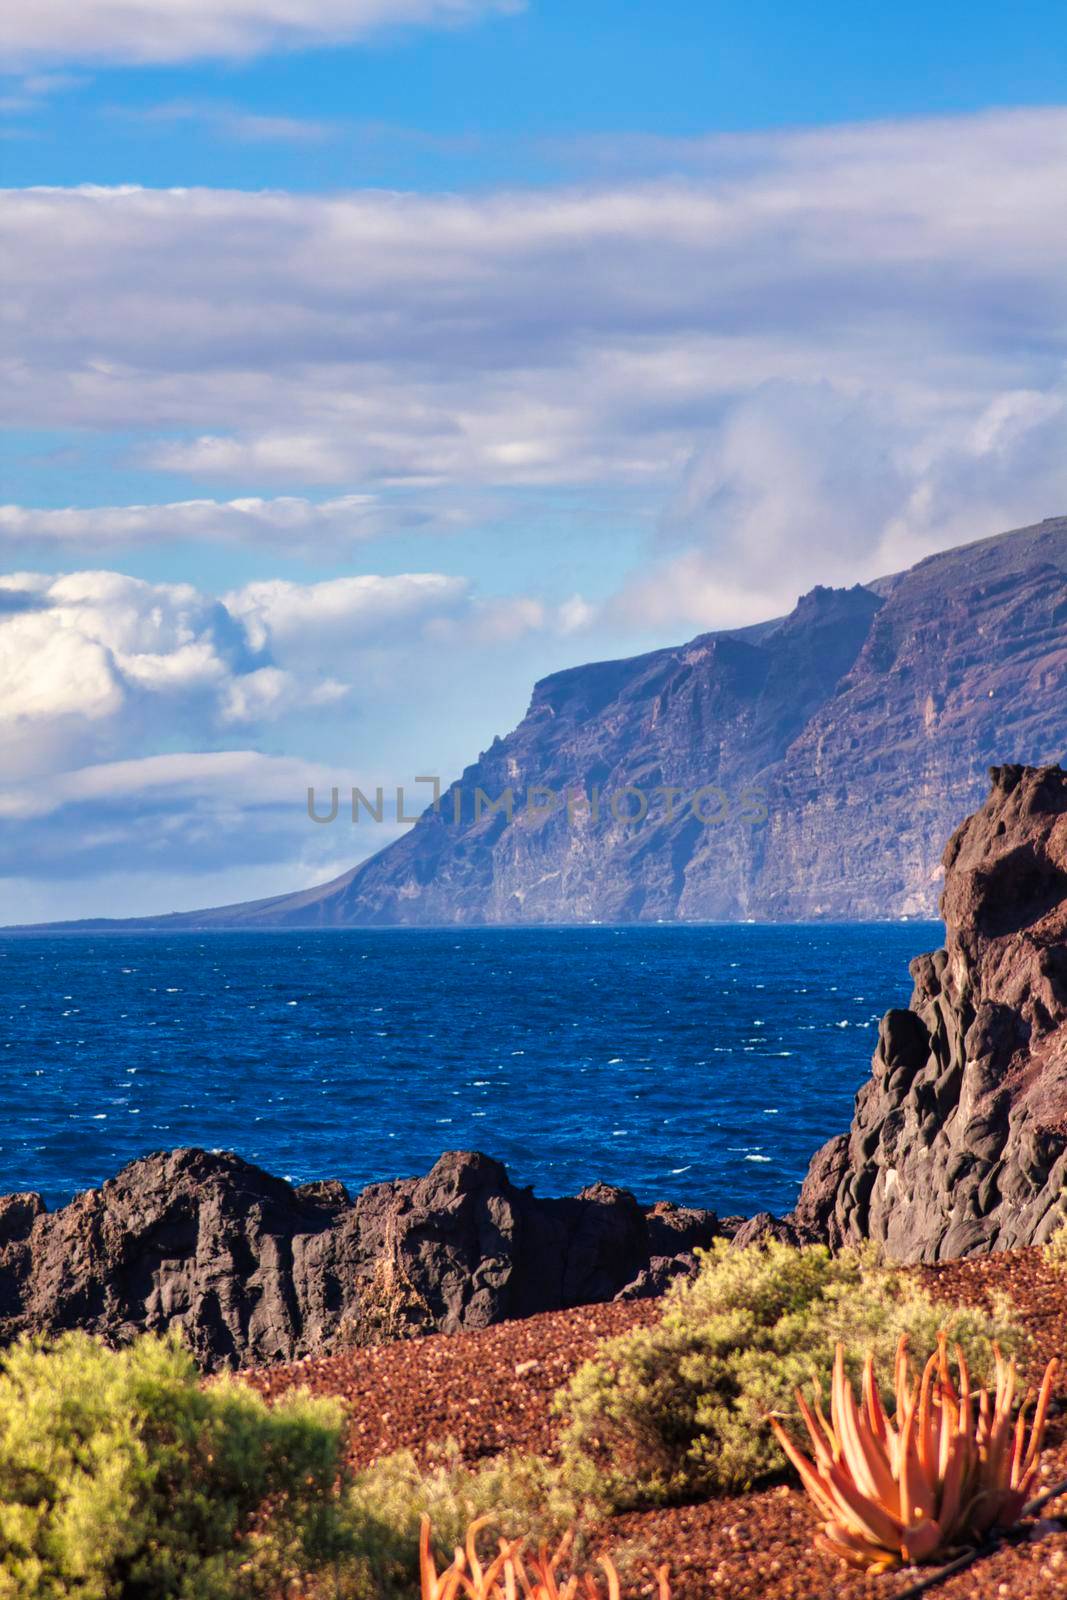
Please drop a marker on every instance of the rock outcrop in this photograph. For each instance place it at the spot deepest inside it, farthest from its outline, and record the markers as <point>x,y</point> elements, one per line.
<point>252,1270</point>
<point>959,1140</point>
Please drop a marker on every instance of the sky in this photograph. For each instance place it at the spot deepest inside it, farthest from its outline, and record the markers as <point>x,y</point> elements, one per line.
<point>366,360</point>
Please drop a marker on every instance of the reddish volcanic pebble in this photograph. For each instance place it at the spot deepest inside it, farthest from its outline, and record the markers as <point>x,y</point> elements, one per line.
<point>490,1391</point>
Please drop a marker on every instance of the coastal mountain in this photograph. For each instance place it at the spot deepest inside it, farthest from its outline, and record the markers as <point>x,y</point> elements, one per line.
<point>807,767</point>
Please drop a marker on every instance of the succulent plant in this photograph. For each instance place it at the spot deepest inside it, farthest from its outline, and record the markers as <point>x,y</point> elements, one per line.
<point>509,1576</point>
<point>948,1466</point>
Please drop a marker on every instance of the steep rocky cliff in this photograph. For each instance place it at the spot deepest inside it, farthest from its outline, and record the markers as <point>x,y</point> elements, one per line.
<point>802,768</point>
<point>252,1270</point>
<point>841,744</point>
<point>959,1139</point>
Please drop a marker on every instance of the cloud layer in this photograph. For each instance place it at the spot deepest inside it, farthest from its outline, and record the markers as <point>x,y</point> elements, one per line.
<point>737,341</point>
<point>182,30</point>
<point>288,523</point>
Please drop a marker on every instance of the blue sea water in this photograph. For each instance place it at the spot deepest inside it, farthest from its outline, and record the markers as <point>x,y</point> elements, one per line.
<point>699,1064</point>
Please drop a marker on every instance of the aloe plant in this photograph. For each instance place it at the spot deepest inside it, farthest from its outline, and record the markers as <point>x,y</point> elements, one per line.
<point>509,1575</point>
<point>948,1466</point>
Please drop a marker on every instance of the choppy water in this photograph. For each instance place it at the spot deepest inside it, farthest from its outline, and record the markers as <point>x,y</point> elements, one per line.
<point>702,1064</point>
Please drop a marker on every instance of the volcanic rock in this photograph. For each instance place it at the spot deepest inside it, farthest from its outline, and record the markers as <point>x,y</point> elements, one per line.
<point>254,1271</point>
<point>959,1140</point>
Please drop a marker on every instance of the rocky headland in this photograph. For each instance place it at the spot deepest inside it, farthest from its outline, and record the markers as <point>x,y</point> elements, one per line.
<point>958,1144</point>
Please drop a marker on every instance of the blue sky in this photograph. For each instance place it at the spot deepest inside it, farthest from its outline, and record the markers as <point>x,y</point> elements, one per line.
<point>368,359</point>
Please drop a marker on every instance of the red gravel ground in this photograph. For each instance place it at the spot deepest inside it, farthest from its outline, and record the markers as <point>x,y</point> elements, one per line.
<point>490,1391</point>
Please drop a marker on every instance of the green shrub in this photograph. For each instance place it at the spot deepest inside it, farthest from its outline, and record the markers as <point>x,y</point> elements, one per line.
<point>1056,1249</point>
<point>523,1494</point>
<point>123,1477</point>
<point>678,1410</point>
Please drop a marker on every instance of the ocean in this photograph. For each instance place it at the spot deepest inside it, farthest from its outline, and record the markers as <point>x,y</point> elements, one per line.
<point>698,1064</point>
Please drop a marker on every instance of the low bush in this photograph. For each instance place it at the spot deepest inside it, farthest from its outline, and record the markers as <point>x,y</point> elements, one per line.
<point>1056,1249</point>
<point>390,1501</point>
<point>123,1477</point>
<point>680,1409</point>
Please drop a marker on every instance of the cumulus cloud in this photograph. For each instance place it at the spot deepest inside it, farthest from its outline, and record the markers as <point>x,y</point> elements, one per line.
<point>182,30</point>
<point>106,680</point>
<point>89,661</point>
<point>288,523</point>
<point>98,663</point>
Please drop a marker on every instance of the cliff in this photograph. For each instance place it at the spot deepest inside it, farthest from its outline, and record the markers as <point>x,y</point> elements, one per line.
<point>959,1140</point>
<point>835,749</point>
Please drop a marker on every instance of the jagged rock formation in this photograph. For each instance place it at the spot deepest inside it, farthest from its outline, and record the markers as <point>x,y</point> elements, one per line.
<point>866,720</point>
<point>959,1139</point>
<point>252,1270</point>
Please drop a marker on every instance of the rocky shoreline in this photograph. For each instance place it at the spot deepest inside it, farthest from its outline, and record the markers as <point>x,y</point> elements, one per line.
<point>958,1146</point>
<point>253,1270</point>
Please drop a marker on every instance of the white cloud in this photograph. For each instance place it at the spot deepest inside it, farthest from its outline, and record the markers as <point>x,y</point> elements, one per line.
<point>98,663</point>
<point>368,606</point>
<point>106,680</point>
<point>804,483</point>
<point>595,336</point>
<point>171,832</point>
<point>256,778</point>
<point>289,523</point>
<point>182,30</point>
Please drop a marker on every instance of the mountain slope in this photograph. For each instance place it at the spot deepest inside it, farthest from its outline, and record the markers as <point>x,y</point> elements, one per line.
<point>844,741</point>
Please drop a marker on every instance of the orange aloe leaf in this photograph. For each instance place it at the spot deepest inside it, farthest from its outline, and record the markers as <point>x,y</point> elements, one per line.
<point>877,1522</point>
<point>612,1577</point>
<point>924,1435</point>
<point>810,1477</point>
<point>824,1441</point>
<point>872,1400</point>
<point>900,1375</point>
<point>866,1456</point>
<point>1037,1427</point>
<point>922,1540</point>
<point>916,1495</point>
<point>839,1541</point>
